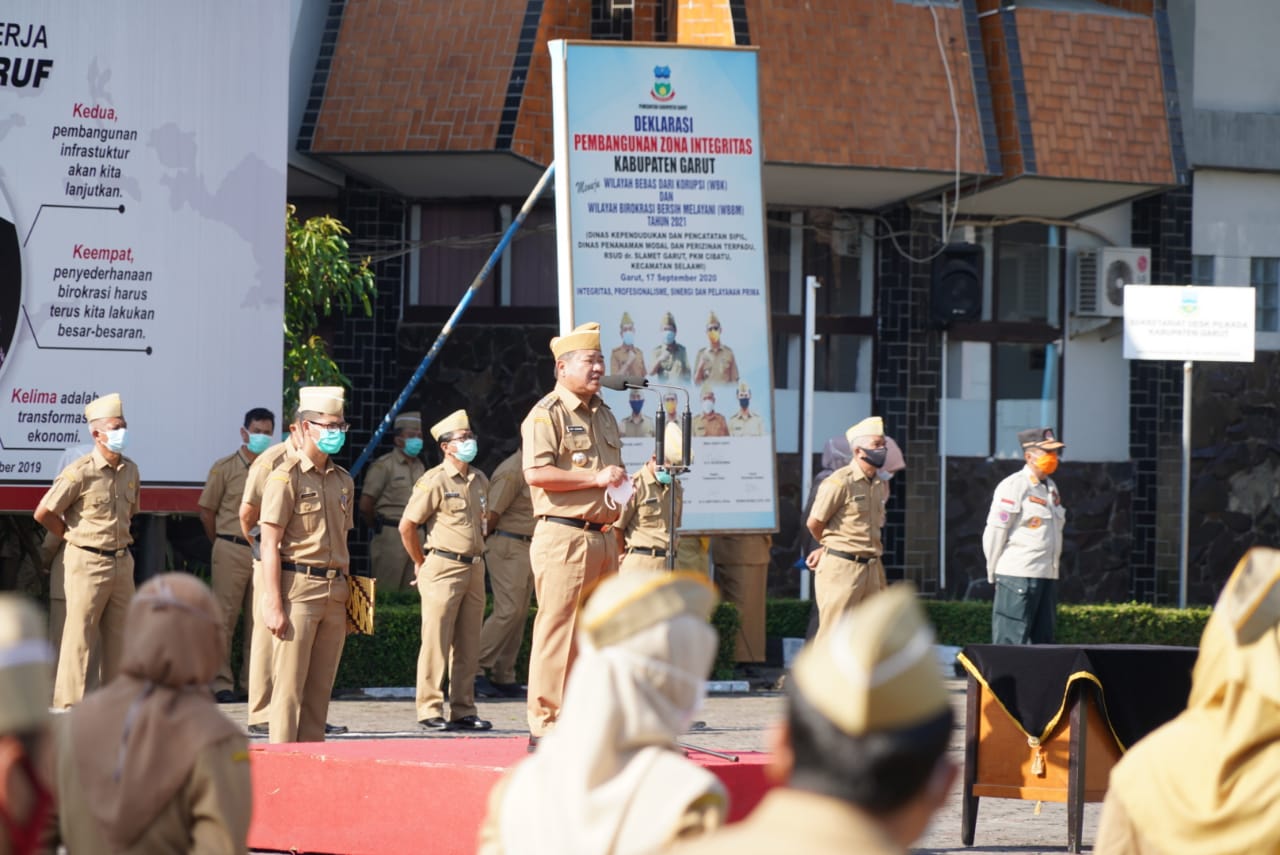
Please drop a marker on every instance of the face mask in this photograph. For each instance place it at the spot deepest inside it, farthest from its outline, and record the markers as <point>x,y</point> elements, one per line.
<point>664,477</point>
<point>330,441</point>
<point>617,495</point>
<point>1047,463</point>
<point>708,406</point>
<point>25,838</point>
<point>413,447</point>
<point>669,336</point>
<point>744,402</point>
<point>466,450</point>
<point>258,442</point>
<point>628,338</point>
<point>874,456</point>
<point>670,407</point>
<point>713,336</point>
<point>637,406</point>
<point>883,475</point>
<point>117,439</point>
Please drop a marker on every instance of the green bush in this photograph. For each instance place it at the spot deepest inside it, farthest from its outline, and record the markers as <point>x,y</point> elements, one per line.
<point>961,623</point>
<point>787,618</point>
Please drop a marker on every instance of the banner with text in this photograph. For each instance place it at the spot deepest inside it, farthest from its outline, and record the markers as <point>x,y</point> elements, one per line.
<point>660,222</point>
<point>142,193</point>
<point>1189,322</point>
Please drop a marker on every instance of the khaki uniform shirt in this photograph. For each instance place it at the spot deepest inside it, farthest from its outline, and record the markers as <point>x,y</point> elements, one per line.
<point>1023,536</point>
<point>267,461</point>
<point>223,491</point>
<point>96,500</point>
<point>628,360</point>
<point>637,425</point>
<point>670,362</point>
<point>715,365</point>
<point>646,519</point>
<point>852,507</point>
<point>563,432</point>
<point>749,425</point>
<point>451,505</point>
<point>509,498</point>
<point>315,509</point>
<point>710,424</point>
<point>390,483</point>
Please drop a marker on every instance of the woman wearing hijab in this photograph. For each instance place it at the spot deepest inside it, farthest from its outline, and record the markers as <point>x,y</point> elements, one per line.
<point>609,780</point>
<point>148,764</point>
<point>1209,781</point>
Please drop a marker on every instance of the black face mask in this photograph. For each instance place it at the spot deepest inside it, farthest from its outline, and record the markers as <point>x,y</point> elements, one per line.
<point>874,456</point>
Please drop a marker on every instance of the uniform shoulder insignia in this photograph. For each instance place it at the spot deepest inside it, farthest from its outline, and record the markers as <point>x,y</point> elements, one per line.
<point>548,401</point>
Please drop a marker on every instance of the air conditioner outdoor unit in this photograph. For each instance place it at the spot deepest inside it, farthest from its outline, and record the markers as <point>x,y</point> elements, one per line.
<point>1101,275</point>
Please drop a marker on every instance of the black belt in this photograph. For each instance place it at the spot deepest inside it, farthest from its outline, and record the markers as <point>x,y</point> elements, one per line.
<point>849,556</point>
<point>527,538</point>
<point>574,522</point>
<point>232,538</point>
<point>318,572</point>
<point>457,556</point>
<point>655,551</point>
<point>109,553</point>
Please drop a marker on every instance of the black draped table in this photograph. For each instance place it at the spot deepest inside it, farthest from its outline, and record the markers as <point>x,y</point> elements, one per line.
<point>1047,722</point>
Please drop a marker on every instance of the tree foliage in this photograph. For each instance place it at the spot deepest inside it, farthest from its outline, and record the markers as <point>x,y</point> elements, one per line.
<point>320,277</point>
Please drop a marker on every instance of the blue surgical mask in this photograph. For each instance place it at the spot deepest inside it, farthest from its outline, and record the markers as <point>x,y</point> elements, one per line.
<point>258,442</point>
<point>744,402</point>
<point>413,446</point>
<point>669,336</point>
<point>466,451</point>
<point>331,441</point>
<point>637,406</point>
<point>663,476</point>
<point>628,338</point>
<point>118,439</point>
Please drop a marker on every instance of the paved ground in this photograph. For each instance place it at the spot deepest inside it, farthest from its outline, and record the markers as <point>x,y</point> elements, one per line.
<point>741,723</point>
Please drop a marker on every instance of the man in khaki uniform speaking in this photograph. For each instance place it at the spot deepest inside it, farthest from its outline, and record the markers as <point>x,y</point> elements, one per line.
<point>308,506</point>
<point>509,522</point>
<point>90,506</point>
<point>861,760</point>
<point>846,518</point>
<point>450,501</point>
<point>232,557</point>
<point>645,526</point>
<point>387,487</point>
<point>572,455</point>
<point>741,564</point>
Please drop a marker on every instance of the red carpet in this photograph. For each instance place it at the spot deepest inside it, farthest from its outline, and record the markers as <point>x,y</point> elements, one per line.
<point>381,796</point>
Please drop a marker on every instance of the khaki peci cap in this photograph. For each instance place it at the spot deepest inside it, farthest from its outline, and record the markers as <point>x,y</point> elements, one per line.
<point>870,426</point>
<point>707,391</point>
<point>408,420</point>
<point>626,320</point>
<point>624,604</point>
<point>326,400</point>
<point>743,389</point>
<point>26,666</point>
<point>712,320</point>
<point>457,420</point>
<point>583,337</point>
<point>669,320</point>
<point>106,407</point>
<point>1041,438</point>
<point>875,671</point>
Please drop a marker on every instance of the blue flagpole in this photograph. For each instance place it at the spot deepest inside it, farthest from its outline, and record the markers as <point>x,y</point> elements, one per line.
<point>389,419</point>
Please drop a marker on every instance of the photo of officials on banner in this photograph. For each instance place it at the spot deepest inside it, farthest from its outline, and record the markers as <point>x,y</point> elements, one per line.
<point>661,230</point>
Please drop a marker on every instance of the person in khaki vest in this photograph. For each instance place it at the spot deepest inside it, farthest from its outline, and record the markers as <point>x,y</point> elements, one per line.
<point>846,518</point>
<point>860,763</point>
<point>26,682</point>
<point>572,454</point>
<point>308,506</point>
<point>645,526</point>
<point>509,522</point>
<point>90,506</point>
<point>610,780</point>
<point>387,487</point>
<point>232,572</point>
<point>450,501</point>
<point>741,564</point>
<point>148,763</point>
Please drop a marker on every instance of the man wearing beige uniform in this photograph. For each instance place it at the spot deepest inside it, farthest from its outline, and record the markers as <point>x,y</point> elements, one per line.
<point>510,525</point>
<point>308,506</point>
<point>449,500</point>
<point>742,574</point>
<point>232,573</point>
<point>645,525</point>
<point>571,455</point>
<point>90,506</point>
<point>386,491</point>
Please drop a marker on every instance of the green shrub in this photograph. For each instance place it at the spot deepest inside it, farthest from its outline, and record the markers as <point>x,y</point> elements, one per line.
<point>961,623</point>
<point>787,618</point>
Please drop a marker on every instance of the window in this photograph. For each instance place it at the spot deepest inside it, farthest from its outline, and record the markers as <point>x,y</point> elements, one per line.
<point>1202,272</point>
<point>1264,276</point>
<point>1026,279</point>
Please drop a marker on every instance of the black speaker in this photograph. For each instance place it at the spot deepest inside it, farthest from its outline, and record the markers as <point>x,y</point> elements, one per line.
<point>957,285</point>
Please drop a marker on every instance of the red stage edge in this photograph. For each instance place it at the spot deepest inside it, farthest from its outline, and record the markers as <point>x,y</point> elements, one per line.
<point>380,796</point>
<point>153,500</point>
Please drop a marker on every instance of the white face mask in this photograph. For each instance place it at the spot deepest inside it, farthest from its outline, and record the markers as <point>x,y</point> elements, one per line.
<point>708,406</point>
<point>617,495</point>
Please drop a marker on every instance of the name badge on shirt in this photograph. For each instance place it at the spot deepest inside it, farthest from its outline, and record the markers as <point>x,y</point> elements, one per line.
<point>308,494</point>
<point>453,495</point>
<point>1037,500</point>
<point>575,429</point>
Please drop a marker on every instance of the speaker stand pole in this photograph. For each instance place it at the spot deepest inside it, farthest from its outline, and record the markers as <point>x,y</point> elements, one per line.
<point>942,473</point>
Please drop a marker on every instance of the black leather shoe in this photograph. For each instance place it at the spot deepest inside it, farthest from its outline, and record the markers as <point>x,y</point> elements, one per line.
<point>334,729</point>
<point>511,690</point>
<point>486,689</point>
<point>259,730</point>
<point>226,696</point>
<point>533,744</point>
<point>434,723</point>
<point>470,722</point>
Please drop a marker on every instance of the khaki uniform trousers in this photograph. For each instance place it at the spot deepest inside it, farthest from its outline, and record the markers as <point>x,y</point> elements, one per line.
<point>233,588</point>
<point>452,596</point>
<point>58,616</point>
<point>511,578</point>
<point>305,661</point>
<point>392,566</point>
<point>840,584</point>
<point>98,590</point>
<point>566,561</point>
<point>746,586</point>
<point>260,647</point>
<point>633,562</point>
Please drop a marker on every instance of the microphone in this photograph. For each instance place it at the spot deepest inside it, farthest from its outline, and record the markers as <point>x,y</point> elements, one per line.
<point>622,382</point>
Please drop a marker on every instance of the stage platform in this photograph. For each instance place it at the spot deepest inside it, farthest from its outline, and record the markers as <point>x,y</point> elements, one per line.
<point>381,796</point>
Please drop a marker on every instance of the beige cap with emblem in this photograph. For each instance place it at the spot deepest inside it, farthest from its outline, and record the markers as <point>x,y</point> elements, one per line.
<point>624,604</point>
<point>870,426</point>
<point>26,666</point>
<point>326,400</point>
<point>626,320</point>
<point>876,670</point>
<point>457,420</point>
<point>744,391</point>
<point>583,337</point>
<point>106,407</point>
<point>409,419</point>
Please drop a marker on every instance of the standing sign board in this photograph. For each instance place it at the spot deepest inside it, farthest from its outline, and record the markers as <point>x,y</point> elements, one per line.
<point>1188,322</point>
<point>660,223</point>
